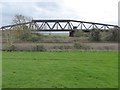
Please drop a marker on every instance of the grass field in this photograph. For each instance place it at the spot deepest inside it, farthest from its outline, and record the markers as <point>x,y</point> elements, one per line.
<point>60,69</point>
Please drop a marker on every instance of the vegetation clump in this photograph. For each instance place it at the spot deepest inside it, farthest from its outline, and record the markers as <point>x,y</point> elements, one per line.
<point>95,35</point>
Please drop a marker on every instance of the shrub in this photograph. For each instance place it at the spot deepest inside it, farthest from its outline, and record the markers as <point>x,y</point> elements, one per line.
<point>95,35</point>
<point>21,34</point>
<point>40,48</point>
<point>33,38</point>
<point>62,47</point>
<point>113,36</point>
<point>11,48</point>
<point>25,35</point>
<point>81,46</point>
<point>80,33</point>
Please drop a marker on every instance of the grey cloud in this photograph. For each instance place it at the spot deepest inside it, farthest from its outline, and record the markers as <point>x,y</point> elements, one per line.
<point>49,10</point>
<point>52,6</point>
<point>27,9</point>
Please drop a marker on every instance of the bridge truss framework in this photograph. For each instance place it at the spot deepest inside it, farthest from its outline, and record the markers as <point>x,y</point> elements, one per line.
<point>62,25</point>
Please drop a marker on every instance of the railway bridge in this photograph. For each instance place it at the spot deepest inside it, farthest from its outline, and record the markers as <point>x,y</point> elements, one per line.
<point>62,25</point>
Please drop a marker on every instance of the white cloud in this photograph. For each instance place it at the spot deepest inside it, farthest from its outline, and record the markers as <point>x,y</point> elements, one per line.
<point>95,10</point>
<point>104,11</point>
<point>119,14</point>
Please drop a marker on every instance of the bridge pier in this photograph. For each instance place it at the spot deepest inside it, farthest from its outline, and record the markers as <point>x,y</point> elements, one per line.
<point>71,33</point>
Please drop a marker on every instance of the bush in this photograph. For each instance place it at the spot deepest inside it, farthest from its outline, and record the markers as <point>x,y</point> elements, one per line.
<point>113,36</point>
<point>26,35</point>
<point>81,33</point>
<point>81,46</point>
<point>78,33</point>
<point>95,35</point>
<point>32,38</point>
<point>21,34</point>
<point>62,47</point>
<point>11,48</point>
<point>40,48</point>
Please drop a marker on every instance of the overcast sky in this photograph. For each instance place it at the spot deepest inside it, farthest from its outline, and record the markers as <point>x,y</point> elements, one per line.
<point>103,11</point>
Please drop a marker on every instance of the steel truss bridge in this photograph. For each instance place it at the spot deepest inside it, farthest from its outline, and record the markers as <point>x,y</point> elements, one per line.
<point>62,25</point>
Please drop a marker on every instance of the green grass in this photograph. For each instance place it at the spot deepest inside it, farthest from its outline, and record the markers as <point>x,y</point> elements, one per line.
<point>60,69</point>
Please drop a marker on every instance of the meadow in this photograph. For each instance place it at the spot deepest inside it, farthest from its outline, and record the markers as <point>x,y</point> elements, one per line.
<point>75,69</point>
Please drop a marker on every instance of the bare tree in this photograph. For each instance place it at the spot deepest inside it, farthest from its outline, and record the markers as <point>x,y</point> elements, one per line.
<point>21,31</point>
<point>18,18</point>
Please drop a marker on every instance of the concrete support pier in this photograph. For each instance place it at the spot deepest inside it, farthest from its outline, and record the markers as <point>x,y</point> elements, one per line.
<point>71,33</point>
